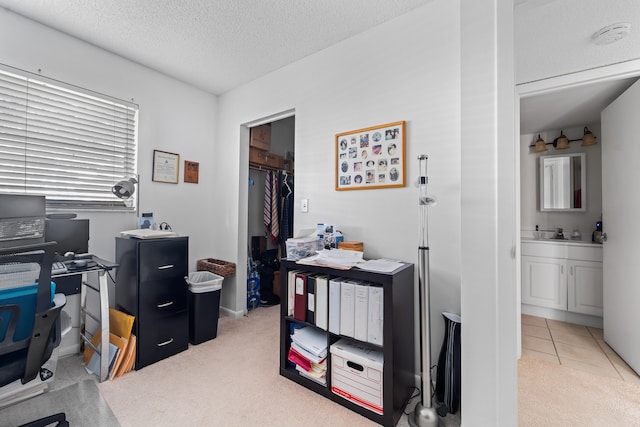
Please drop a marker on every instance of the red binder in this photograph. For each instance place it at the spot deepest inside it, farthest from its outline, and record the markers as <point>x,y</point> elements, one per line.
<point>300,298</point>
<point>299,359</point>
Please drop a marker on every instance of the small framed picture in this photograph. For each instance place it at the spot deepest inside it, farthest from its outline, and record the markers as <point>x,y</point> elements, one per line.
<point>165,167</point>
<point>191,171</point>
<point>370,158</point>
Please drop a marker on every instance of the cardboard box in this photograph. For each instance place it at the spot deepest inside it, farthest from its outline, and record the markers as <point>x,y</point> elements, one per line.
<point>265,158</point>
<point>261,137</point>
<point>356,373</point>
<point>351,246</point>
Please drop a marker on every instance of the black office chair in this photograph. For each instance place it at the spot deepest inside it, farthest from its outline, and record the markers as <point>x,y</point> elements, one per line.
<point>29,315</point>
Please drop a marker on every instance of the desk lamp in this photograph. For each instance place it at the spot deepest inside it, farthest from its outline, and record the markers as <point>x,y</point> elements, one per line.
<point>424,414</point>
<point>125,189</point>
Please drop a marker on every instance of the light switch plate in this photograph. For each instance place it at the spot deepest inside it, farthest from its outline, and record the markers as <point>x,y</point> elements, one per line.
<point>304,205</point>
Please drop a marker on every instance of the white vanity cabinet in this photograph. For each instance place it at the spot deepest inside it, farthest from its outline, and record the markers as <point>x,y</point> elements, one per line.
<point>562,275</point>
<point>544,282</point>
<point>584,287</point>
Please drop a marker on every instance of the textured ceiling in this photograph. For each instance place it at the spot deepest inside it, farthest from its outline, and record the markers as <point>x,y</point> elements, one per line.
<point>218,45</point>
<point>553,37</point>
<point>213,44</point>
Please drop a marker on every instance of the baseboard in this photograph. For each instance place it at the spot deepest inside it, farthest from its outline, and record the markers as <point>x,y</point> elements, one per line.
<point>562,315</point>
<point>224,311</point>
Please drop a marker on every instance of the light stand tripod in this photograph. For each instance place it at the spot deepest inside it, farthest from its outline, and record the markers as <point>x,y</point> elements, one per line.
<point>424,414</point>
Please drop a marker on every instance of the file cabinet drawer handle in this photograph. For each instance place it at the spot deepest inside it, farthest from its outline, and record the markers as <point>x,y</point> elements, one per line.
<point>164,267</point>
<point>162,344</point>
<point>166,304</point>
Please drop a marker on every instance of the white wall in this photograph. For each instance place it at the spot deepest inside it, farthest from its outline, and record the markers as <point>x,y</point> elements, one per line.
<point>529,185</point>
<point>489,297</point>
<point>174,117</point>
<point>373,78</point>
<point>407,69</point>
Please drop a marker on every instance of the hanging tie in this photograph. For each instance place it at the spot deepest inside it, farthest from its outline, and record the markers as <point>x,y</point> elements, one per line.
<point>275,226</point>
<point>267,201</point>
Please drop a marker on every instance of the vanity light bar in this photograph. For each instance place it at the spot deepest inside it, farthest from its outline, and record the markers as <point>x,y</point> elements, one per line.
<point>562,142</point>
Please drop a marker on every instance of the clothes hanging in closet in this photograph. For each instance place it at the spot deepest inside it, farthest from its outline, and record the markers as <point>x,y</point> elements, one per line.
<point>271,210</point>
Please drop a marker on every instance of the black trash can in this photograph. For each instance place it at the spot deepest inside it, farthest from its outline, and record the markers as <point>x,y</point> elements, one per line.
<point>448,380</point>
<point>204,305</point>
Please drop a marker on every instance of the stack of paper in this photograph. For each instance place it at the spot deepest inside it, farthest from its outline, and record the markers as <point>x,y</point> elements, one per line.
<point>335,258</point>
<point>147,233</point>
<point>308,352</point>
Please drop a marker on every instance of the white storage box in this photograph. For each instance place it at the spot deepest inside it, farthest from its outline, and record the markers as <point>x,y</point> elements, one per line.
<point>356,374</point>
<point>302,247</point>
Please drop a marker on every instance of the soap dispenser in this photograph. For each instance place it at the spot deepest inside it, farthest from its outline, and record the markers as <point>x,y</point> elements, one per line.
<point>597,234</point>
<point>575,234</point>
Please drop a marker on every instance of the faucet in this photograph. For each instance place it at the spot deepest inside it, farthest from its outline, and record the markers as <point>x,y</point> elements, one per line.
<point>559,235</point>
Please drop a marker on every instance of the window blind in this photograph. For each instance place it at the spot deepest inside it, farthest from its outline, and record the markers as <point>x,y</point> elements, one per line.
<point>68,143</point>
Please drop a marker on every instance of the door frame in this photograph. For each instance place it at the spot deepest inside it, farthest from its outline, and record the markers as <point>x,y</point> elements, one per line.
<point>606,73</point>
<point>243,201</point>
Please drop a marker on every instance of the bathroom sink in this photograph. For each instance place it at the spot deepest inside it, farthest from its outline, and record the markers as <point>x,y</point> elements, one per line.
<point>544,235</point>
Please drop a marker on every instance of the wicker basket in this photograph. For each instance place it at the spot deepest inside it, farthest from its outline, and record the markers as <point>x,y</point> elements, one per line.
<point>216,266</point>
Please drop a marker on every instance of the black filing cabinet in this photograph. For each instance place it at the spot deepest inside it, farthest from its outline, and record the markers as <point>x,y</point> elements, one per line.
<point>150,286</point>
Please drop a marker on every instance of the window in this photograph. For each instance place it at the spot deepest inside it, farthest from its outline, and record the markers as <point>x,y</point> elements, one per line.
<point>68,143</point>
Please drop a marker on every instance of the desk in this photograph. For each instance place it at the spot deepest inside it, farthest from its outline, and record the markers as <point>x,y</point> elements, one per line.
<point>100,267</point>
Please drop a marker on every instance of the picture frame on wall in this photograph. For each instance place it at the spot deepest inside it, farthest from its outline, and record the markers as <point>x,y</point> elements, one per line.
<point>166,167</point>
<point>191,171</point>
<point>373,157</point>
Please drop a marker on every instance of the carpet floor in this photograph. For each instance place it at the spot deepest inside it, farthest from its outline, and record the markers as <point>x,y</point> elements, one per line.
<point>232,380</point>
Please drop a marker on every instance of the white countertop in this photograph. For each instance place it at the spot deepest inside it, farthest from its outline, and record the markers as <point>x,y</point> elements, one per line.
<point>585,243</point>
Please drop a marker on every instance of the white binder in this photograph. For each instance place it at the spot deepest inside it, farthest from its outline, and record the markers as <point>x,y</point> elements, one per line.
<point>347,307</point>
<point>376,315</point>
<point>334,305</point>
<point>361,310</point>
<point>322,302</point>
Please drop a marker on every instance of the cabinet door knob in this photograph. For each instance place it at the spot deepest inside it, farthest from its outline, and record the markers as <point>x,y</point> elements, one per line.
<point>164,267</point>
<point>165,343</point>
<point>166,304</point>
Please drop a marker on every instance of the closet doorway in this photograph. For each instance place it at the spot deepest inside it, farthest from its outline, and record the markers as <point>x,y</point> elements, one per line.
<point>270,206</point>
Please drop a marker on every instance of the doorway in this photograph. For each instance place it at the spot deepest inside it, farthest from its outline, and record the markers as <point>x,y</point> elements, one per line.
<point>269,207</point>
<point>616,77</point>
<point>548,94</point>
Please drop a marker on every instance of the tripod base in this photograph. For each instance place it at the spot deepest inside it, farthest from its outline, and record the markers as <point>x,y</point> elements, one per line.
<point>424,417</point>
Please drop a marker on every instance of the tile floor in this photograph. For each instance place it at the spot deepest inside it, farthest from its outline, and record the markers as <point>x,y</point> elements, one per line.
<point>574,346</point>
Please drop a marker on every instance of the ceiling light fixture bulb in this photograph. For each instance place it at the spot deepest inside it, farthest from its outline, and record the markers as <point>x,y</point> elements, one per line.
<point>561,142</point>
<point>611,33</point>
<point>589,138</point>
<point>541,146</point>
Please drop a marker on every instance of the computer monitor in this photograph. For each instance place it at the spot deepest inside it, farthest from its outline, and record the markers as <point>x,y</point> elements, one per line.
<point>72,235</point>
<point>22,219</point>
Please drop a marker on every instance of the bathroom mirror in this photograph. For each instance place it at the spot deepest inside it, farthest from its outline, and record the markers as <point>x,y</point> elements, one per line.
<point>563,182</point>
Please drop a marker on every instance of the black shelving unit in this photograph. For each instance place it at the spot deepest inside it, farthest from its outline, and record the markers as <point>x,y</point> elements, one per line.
<point>398,338</point>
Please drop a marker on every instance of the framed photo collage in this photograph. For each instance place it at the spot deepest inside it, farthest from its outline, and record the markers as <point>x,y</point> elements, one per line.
<point>370,158</point>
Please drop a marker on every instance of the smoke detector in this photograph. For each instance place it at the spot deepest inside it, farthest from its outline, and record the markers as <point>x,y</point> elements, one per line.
<point>611,33</point>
